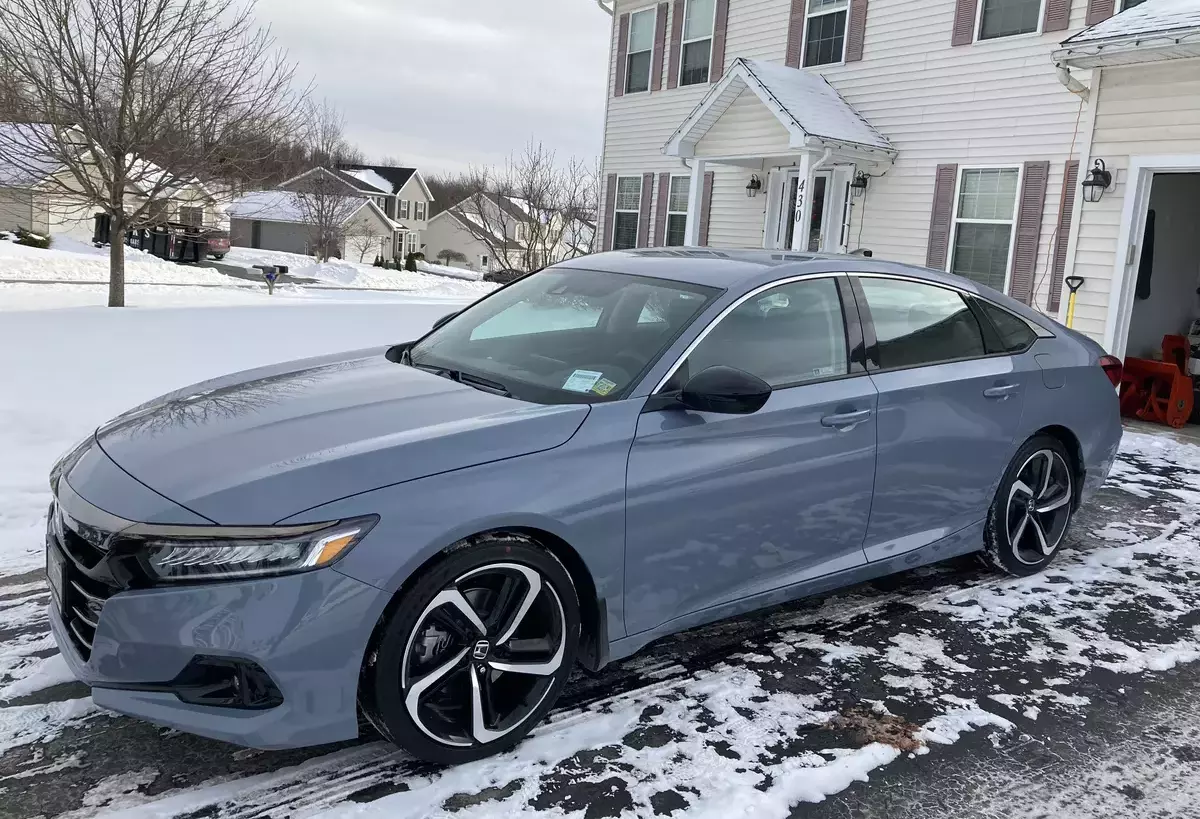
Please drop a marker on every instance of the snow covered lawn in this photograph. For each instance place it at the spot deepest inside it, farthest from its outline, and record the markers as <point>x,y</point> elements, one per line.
<point>349,273</point>
<point>73,261</point>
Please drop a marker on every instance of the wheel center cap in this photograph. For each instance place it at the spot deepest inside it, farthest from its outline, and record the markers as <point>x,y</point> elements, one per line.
<point>481,650</point>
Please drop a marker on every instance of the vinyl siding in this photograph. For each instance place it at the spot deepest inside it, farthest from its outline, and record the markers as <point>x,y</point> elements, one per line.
<point>1141,111</point>
<point>992,102</point>
<point>16,209</point>
<point>748,127</point>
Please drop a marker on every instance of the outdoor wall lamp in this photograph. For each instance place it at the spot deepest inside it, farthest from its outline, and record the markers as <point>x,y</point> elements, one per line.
<point>1098,181</point>
<point>753,186</point>
<point>859,186</point>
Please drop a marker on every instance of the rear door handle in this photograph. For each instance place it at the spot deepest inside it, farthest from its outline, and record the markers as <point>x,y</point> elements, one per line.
<point>844,420</point>
<point>1002,391</point>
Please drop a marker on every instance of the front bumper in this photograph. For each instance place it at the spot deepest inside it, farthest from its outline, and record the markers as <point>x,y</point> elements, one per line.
<point>307,631</point>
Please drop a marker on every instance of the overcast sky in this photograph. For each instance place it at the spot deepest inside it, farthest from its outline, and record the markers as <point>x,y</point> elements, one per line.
<point>442,84</point>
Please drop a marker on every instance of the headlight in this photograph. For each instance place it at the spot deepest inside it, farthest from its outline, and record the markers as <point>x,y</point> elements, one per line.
<point>183,553</point>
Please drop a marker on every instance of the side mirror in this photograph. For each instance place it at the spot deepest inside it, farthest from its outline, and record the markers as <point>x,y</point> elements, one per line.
<point>445,319</point>
<point>726,390</point>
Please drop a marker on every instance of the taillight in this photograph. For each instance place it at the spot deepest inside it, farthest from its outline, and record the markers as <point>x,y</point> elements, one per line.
<point>1113,368</point>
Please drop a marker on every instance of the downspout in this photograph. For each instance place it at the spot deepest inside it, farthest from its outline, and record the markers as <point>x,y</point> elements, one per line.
<point>822,162</point>
<point>605,8</point>
<point>1071,84</point>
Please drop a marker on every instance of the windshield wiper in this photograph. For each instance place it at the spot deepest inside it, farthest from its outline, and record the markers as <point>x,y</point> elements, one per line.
<point>465,378</point>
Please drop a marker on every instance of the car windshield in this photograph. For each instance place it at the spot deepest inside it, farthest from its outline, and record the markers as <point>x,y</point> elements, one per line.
<point>563,335</point>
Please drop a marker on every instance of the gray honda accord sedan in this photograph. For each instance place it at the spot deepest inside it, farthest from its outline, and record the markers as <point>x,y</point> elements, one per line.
<point>616,448</point>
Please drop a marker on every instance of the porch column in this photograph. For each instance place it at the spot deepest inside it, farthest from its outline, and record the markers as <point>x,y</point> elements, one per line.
<point>803,203</point>
<point>691,233</point>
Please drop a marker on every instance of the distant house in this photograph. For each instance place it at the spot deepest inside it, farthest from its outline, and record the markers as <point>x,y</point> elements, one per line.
<point>279,220</point>
<point>406,198</point>
<point>484,249</point>
<point>35,193</point>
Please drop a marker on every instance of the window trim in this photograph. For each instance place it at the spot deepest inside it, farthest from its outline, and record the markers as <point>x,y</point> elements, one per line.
<point>808,15</point>
<point>670,213</point>
<point>402,209</point>
<point>616,196</point>
<point>629,54</point>
<point>954,217</point>
<point>420,210</point>
<point>684,43</point>
<point>1037,32</point>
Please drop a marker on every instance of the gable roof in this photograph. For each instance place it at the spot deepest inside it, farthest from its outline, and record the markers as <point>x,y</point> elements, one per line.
<point>22,141</point>
<point>473,225</point>
<point>813,112</point>
<point>1152,31</point>
<point>285,206</point>
<point>383,177</point>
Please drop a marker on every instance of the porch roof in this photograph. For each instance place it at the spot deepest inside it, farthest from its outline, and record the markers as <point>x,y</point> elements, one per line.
<point>1153,31</point>
<point>813,112</point>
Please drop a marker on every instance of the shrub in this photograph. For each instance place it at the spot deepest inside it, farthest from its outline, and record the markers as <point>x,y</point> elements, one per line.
<point>28,239</point>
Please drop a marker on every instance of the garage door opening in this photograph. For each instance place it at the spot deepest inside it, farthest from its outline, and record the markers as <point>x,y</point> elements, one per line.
<point>1162,348</point>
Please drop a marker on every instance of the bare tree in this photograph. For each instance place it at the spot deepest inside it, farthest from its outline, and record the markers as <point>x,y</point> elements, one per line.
<point>531,211</point>
<point>136,99</point>
<point>325,201</point>
<point>447,256</point>
<point>448,190</point>
<point>362,239</point>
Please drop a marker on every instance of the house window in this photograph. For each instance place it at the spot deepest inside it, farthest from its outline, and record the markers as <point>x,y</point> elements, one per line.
<point>983,224</point>
<point>677,205</point>
<point>641,47</point>
<point>419,208</point>
<point>1004,18</point>
<point>410,243</point>
<point>825,32</point>
<point>403,209</point>
<point>191,216</point>
<point>483,262</point>
<point>698,21</point>
<point>627,213</point>
<point>1128,4</point>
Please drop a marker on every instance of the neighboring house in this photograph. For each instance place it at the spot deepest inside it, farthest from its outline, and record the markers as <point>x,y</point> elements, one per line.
<point>35,196</point>
<point>406,198</point>
<point>279,220</point>
<point>455,230</point>
<point>936,132</point>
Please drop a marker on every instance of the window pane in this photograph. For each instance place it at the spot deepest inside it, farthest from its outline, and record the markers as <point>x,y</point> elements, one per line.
<point>981,253</point>
<point>988,193</point>
<point>1128,4</point>
<point>826,36</point>
<point>695,62</point>
<point>1002,18</point>
<point>678,200</point>
<point>919,324</point>
<point>826,5</point>
<point>788,335</point>
<point>1015,334</point>
<point>625,230</point>
<point>676,230</point>
<point>641,31</point>
<point>629,193</point>
<point>698,19</point>
<point>637,77</point>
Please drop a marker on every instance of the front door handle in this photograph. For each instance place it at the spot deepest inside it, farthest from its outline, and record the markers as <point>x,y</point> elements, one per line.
<point>845,420</point>
<point>1000,392</point>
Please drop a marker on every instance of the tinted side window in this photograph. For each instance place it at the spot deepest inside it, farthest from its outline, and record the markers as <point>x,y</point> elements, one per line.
<point>918,324</point>
<point>1015,335</point>
<point>786,336</point>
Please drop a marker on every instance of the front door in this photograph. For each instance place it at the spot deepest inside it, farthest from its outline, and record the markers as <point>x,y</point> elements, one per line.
<point>949,414</point>
<point>724,507</point>
<point>815,236</point>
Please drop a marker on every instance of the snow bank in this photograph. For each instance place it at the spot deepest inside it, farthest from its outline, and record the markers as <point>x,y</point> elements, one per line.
<point>73,261</point>
<point>452,272</point>
<point>348,273</point>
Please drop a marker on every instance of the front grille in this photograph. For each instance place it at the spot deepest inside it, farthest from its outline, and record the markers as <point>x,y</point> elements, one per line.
<point>83,594</point>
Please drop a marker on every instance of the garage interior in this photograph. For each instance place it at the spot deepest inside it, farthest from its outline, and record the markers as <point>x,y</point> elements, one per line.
<point>1162,364</point>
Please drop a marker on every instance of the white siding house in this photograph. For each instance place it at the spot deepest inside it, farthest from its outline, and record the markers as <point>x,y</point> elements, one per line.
<point>982,140</point>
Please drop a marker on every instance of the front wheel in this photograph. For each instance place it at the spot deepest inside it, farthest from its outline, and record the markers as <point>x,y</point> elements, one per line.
<point>476,653</point>
<point>1033,508</point>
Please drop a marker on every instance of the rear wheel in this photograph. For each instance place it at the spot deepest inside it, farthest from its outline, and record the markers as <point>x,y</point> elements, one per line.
<point>1033,508</point>
<point>477,652</point>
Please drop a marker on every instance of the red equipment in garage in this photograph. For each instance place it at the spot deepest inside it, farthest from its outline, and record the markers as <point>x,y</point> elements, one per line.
<point>1159,391</point>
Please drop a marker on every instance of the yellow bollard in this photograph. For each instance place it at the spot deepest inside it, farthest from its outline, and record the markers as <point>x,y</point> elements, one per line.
<point>1073,284</point>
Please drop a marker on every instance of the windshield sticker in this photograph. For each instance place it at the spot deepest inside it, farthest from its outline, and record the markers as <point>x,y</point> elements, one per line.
<point>582,380</point>
<point>822,371</point>
<point>604,386</point>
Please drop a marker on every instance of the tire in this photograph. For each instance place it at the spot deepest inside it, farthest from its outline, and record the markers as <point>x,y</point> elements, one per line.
<point>1031,516</point>
<point>218,256</point>
<point>450,684</point>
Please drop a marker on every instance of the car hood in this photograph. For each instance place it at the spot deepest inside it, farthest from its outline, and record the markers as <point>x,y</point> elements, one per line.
<point>260,446</point>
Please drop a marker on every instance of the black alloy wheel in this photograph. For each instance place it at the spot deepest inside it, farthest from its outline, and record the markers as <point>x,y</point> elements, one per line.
<point>1033,508</point>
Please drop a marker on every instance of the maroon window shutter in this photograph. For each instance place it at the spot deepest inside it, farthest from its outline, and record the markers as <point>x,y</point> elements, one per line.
<point>1066,209</point>
<point>795,34</point>
<point>964,22</point>
<point>1099,10</point>
<point>610,210</point>
<point>720,26</point>
<point>856,30</point>
<point>676,44</point>
<point>706,207</point>
<point>622,55</point>
<point>660,47</point>
<point>1058,15</point>
<point>1029,230</point>
<point>660,220</point>
<point>941,217</point>
<point>644,216</point>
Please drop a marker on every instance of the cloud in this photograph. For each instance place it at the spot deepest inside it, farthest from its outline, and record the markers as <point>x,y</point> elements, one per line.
<point>443,84</point>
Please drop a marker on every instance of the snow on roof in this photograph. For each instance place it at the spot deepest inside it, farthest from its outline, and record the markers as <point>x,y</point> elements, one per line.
<point>25,142</point>
<point>277,206</point>
<point>371,178</point>
<point>804,103</point>
<point>474,224</point>
<point>1151,17</point>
